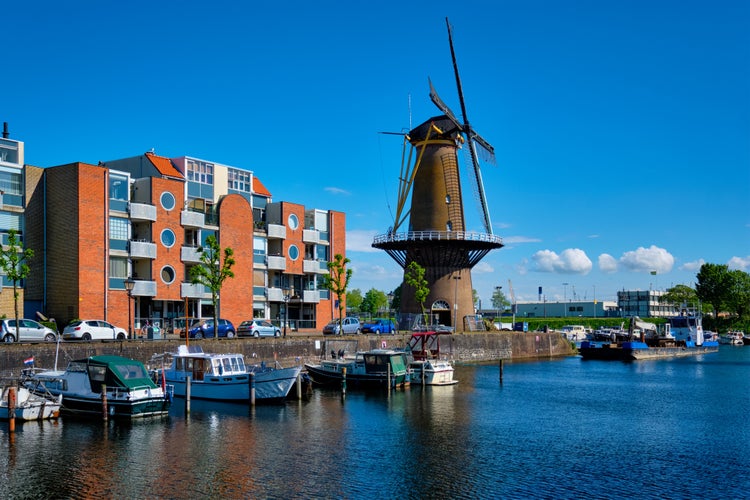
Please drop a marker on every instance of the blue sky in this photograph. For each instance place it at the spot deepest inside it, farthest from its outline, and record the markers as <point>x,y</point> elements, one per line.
<point>621,129</point>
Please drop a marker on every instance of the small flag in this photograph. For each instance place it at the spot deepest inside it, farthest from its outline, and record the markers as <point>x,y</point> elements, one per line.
<point>29,361</point>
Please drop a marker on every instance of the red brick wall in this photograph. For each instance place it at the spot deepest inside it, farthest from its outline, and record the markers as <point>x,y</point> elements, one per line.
<point>93,238</point>
<point>326,309</point>
<point>236,232</point>
<point>165,256</point>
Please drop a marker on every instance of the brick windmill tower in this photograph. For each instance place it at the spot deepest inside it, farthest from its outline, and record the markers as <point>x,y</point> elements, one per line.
<point>436,236</point>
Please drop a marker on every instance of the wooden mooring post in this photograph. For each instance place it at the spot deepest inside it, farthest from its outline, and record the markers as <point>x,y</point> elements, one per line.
<point>343,383</point>
<point>252,389</point>
<point>188,389</point>
<point>105,413</point>
<point>11,409</point>
<point>501,370</point>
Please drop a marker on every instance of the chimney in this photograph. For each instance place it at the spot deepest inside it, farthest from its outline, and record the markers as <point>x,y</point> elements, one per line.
<point>5,130</point>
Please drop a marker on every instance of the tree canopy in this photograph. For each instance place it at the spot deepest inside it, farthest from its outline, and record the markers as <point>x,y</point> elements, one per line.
<point>337,280</point>
<point>213,271</point>
<point>14,264</point>
<point>414,277</point>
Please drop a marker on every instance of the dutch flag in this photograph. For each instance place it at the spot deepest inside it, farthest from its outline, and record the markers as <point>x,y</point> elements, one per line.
<point>29,361</point>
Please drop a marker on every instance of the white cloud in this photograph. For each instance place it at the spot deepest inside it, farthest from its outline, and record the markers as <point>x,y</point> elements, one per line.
<point>570,261</point>
<point>483,268</point>
<point>694,266</point>
<point>607,263</point>
<point>335,190</point>
<point>740,263</point>
<point>648,259</point>
<point>360,240</point>
<point>509,240</point>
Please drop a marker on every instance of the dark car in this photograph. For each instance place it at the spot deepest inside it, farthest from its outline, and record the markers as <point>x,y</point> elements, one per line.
<point>378,326</point>
<point>206,329</point>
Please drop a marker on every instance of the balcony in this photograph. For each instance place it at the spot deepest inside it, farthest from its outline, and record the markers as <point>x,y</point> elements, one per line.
<point>142,211</point>
<point>144,288</point>
<point>190,254</point>
<point>189,218</point>
<point>194,291</point>
<point>310,297</point>
<point>311,236</point>
<point>142,249</point>
<point>277,231</point>
<point>276,263</point>
<point>275,295</point>
<point>314,267</point>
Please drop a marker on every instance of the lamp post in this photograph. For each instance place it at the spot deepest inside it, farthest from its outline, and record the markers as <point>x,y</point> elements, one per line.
<point>286,311</point>
<point>129,284</point>
<point>455,303</point>
<point>565,298</point>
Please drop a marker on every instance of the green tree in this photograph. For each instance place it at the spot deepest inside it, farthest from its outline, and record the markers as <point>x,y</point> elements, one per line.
<point>374,301</point>
<point>354,299</point>
<point>213,271</point>
<point>738,293</point>
<point>712,285</point>
<point>14,264</point>
<point>414,277</point>
<point>337,281</point>
<point>396,302</point>
<point>499,301</point>
<point>679,295</point>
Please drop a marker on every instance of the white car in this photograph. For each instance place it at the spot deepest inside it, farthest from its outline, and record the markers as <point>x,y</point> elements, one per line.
<point>30,330</point>
<point>258,328</point>
<point>93,329</point>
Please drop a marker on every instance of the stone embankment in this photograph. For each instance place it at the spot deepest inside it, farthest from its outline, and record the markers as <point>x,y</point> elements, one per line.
<point>462,347</point>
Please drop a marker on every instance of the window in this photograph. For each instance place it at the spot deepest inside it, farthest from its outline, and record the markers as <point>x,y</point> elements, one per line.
<point>119,233</point>
<point>200,172</point>
<point>167,274</point>
<point>168,238</point>
<point>239,180</point>
<point>293,252</point>
<point>167,200</point>
<point>292,222</point>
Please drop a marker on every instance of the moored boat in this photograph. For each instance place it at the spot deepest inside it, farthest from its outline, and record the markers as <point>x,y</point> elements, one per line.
<point>88,386</point>
<point>427,365</point>
<point>682,336</point>
<point>28,405</point>
<point>374,368</point>
<point>222,377</point>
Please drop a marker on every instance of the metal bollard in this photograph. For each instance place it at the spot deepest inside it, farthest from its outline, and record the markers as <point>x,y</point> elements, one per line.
<point>188,389</point>
<point>501,371</point>
<point>343,382</point>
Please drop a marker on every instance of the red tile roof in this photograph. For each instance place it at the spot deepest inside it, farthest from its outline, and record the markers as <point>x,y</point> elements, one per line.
<point>164,166</point>
<point>259,188</point>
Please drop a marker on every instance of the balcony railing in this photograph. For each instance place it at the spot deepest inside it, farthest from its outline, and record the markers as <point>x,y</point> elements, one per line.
<point>310,236</point>
<point>276,231</point>
<point>194,291</point>
<point>275,295</point>
<point>142,211</point>
<point>276,263</point>
<point>144,288</point>
<point>314,267</point>
<point>190,254</point>
<point>310,296</point>
<point>189,218</point>
<point>142,249</point>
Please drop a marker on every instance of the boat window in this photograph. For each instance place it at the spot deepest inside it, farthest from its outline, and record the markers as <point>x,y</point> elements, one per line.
<point>227,368</point>
<point>97,373</point>
<point>241,364</point>
<point>236,364</point>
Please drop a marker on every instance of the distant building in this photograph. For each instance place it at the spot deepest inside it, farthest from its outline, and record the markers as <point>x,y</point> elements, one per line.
<point>644,303</point>
<point>589,309</point>
<point>12,204</point>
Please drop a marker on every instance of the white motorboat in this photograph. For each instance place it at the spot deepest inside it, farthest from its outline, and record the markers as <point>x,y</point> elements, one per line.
<point>428,366</point>
<point>222,377</point>
<point>29,406</point>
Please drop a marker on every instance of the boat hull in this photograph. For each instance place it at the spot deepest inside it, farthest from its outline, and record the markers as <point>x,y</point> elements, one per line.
<point>30,406</point>
<point>93,407</point>
<point>427,373</point>
<point>323,376</point>
<point>636,351</point>
<point>270,385</point>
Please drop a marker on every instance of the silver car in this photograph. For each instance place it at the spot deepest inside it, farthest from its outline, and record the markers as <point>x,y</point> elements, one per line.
<point>258,328</point>
<point>93,329</point>
<point>29,330</point>
<point>349,326</point>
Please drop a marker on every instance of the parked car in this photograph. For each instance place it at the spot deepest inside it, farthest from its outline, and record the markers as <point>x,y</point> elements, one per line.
<point>206,329</point>
<point>258,328</point>
<point>378,326</point>
<point>29,330</point>
<point>178,325</point>
<point>350,325</point>
<point>93,329</point>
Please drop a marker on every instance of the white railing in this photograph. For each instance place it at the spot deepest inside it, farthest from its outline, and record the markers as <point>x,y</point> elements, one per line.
<point>437,236</point>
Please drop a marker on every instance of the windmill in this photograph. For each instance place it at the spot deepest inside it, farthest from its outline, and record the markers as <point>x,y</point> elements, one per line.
<point>436,237</point>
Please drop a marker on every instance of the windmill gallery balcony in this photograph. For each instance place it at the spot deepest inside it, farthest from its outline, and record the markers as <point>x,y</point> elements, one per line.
<point>456,248</point>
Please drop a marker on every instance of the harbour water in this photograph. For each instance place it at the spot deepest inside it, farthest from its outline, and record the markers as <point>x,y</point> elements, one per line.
<point>565,428</point>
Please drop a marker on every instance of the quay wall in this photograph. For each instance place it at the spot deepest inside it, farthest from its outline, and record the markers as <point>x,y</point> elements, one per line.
<point>465,348</point>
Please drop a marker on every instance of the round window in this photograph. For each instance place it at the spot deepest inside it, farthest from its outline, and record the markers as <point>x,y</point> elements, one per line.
<point>167,201</point>
<point>293,252</point>
<point>167,238</point>
<point>293,222</point>
<point>167,274</point>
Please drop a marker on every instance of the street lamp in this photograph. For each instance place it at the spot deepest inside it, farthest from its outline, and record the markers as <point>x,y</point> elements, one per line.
<point>286,310</point>
<point>129,284</point>
<point>565,298</point>
<point>455,303</point>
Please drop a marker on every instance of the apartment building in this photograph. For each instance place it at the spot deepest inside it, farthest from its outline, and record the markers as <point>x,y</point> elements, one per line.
<point>11,208</point>
<point>146,218</point>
